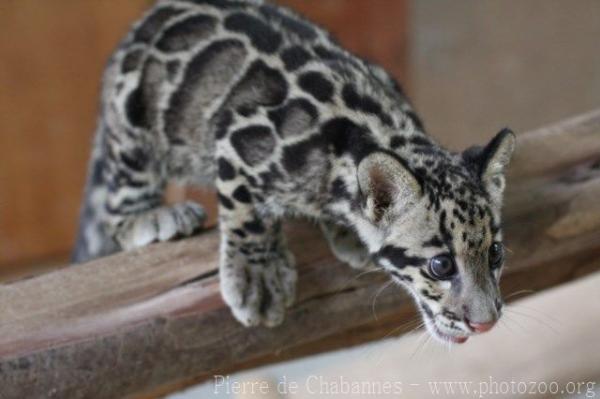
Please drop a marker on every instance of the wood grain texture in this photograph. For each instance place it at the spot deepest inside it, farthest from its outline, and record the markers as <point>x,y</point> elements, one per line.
<point>149,321</point>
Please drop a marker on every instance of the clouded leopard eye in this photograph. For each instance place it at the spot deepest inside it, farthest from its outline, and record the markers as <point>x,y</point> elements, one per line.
<point>442,267</point>
<point>496,255</point>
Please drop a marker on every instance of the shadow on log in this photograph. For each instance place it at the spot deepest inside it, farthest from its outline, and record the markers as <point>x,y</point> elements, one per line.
<point>152,320</point>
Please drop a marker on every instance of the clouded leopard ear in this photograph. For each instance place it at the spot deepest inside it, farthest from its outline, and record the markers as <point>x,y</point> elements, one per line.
<point>386,185</point>
<point>494,161</point>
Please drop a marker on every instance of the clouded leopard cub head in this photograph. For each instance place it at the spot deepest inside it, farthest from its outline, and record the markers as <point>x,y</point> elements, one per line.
<point>436,229</point>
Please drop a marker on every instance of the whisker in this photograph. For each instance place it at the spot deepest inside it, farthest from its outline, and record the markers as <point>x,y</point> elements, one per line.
<point>427,340</point>
<point>407,323</point>
<point>542,322</point>
<point>377,295</point>
<point>520,292</point>
<point>345,285</point>
<point>419,325</point>
<point>420,343</point>
<point>517,323</point>
<point>505,325</point>
<point>449,346</point>
<point>541,313</point>
<point>371,270</point>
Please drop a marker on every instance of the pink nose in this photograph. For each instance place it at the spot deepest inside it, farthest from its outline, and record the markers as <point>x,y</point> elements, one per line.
<point>481,327</point>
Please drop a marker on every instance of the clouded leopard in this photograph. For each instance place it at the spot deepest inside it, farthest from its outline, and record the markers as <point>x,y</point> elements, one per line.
<point>252,99</point>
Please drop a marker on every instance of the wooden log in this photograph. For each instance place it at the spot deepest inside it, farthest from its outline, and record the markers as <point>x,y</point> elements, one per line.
<point>152,320</point>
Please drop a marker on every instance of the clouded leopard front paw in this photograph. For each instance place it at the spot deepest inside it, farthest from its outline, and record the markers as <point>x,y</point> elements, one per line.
<point>258,289</point>
<point>160,224</point>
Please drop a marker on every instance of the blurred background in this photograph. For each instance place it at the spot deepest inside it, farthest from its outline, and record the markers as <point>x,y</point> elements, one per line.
<point>471,67</point>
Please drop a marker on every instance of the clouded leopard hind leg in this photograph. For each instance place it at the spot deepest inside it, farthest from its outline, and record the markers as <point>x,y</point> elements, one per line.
<point>164,223</point>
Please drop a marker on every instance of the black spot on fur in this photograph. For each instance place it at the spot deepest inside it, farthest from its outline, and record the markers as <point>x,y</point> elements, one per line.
<point>142,103</point>
<point>263,37</point>
<point>246,111</point>
<point>261,86</point>
<point>364,103</point>
<point>97,172</point>
<point>435,241</point>
<point>123,178</point>
<point>397,256</point>
<point>204,77</point>
<point>459,216</point>
<point>152,25</point>
<point>431,296</point>
<point>397,142</point>
<point>242,194</point>
<point>136,160</point>
<point>420,140</point>
<point>254,144</point>
<point>426,309</point>
<point>222,123</point>
<point>270,176</point>
<point>450,315</point>
<point>293,25</point>
<point>173,68</point>
<point>294,57</point>
<point>294,118</point>
<point>415,120</point>
<point>295,156</point>
<point>339,190</point>
<point>131,61</point>
<point>187,33</point>
<point>255,226</point>
<point>427,151</point>
<point>315,84</point>
<point>239,232</point>
<point>331,55</point>
<point>225,169</point>
<point>251,180</point>
<point>136,108</point>
<point>402,277</point>
<point>345,136</point>
<point>226,202</point>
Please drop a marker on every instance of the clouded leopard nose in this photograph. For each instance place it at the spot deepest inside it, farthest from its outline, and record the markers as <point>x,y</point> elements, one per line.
<point>481,327</point>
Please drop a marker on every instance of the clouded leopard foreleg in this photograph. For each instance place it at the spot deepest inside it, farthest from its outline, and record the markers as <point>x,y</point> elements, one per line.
<point>134,204</point>
<point>257,271</point>
<point>346,246</point>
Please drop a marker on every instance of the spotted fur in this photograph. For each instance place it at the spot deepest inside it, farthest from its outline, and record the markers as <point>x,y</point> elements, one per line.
<point>253,100</point>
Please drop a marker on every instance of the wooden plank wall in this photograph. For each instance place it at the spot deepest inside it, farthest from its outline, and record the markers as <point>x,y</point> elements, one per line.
<point>53,52</point>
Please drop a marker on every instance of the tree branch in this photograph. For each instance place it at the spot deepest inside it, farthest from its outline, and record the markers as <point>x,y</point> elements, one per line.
<point>153,320</point>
